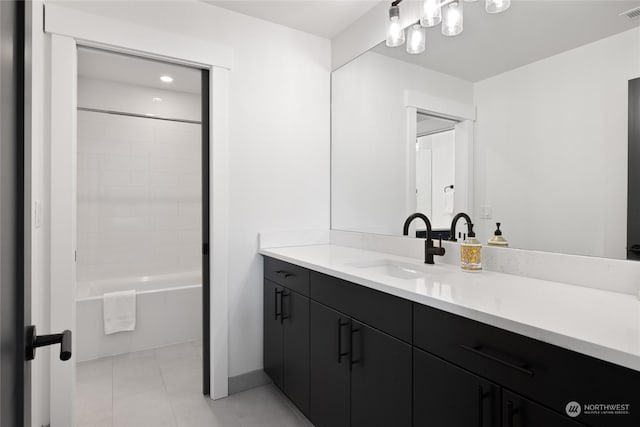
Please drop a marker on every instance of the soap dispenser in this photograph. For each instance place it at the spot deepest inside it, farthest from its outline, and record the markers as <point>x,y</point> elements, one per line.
<point>471,252</point>
<point>497,239</point>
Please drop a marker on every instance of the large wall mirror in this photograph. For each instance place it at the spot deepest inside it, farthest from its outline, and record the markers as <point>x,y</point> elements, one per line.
<point>529,118</point>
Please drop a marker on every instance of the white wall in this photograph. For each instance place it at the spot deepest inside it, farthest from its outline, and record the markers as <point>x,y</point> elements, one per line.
<point>279,149</point>
<point>139,197</point>
<point>139,183</point>
<point>369,152</point>
<point>551,149</point>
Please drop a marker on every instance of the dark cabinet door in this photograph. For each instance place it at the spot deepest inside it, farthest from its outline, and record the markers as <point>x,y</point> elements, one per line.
<point>520,412</point>
<point>447,396</point>
<point>295,314</point>
<point>330,379</point>
<point>273,333</point>
<point>380,378</point>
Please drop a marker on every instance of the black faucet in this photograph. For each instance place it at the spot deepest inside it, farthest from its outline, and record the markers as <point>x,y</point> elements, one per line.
<point>452,232</point>
<point>429,249</point>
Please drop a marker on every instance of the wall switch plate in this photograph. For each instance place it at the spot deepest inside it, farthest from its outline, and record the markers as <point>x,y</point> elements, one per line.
<point>486,212</point>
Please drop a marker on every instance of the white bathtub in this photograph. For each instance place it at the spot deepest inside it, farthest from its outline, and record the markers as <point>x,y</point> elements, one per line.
<point>168,311</point>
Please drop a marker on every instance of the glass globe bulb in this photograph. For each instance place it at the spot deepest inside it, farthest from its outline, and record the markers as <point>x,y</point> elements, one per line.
<point>395,32</point>
<point>497,6</point>
<point>417,39</point>
<point>431,13</point>
<point>452,20</point>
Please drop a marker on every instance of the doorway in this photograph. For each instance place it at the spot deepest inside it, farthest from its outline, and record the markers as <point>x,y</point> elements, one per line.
<point>142,236</point>
<point>435,171</point>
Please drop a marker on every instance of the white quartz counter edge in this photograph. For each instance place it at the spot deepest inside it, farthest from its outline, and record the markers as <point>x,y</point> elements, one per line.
<point>591,346</point>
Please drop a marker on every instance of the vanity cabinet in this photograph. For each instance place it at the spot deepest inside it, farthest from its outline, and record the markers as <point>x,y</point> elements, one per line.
<point>360,376</point>
<point>330,403</point>
<point>445,395</point>
<point>348,355</point>
<point>520,412</point>
<point>286,332</point>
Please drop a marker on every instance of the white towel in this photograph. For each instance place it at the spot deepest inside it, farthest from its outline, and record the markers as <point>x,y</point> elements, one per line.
<point>119,311</point>
<point>448,201</point>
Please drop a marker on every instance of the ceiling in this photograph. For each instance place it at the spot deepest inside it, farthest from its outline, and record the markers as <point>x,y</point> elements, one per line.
<point>101,65</point>
<point>324,18</point>
<point>527,32</point>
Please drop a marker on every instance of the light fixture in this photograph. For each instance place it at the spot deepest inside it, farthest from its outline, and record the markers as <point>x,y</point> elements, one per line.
<point>452,20</point>
<point>156,99</point>
<point>166,79</point>
<point>449,13</point>
<point>431,13</point>
<point>497,6</point>
<point>417,39</point>
<point>395,32</point>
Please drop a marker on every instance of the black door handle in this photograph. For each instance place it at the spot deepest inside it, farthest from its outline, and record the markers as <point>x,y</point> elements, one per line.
<point>511,411</point>
<point>34,341</point>
<point>478,350</point>
<point>283,294</point>
<point>352,361</point>
<point>481,396</point>
<point>285,273</point>
<point>635,249</point>
<point>341,354</point>
<point>277,313</point>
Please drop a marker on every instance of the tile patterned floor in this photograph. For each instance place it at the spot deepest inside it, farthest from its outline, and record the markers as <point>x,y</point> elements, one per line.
<point>161,387</point>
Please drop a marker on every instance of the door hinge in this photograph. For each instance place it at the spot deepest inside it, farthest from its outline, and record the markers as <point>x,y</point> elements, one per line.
<point>205,249</point>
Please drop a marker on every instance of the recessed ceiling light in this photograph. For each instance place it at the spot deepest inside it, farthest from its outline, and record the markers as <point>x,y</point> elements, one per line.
<point>166,79</point>
<point>156,99</point>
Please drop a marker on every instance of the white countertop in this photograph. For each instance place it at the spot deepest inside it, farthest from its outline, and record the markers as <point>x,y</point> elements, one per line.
<point>602,324</point>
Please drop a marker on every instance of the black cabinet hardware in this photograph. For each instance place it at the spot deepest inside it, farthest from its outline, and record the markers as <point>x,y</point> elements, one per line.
<point>284,294</point>
<point>510,413</point>
<point>481,396</point>
<point>34,341</point>
<point>478,350</point>
<point>341,354</point>
<point>276,295</point>
<point>352,360</point>
<point>285,274</point>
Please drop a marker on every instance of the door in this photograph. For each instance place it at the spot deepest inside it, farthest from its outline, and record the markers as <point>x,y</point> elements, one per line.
<point>520,412</point>
<point>633,195</point>
<point>295,360</point>
<point>272,347</point>
<point>447,396</point>
<point>15,301</point>
<point>380,379</point>
<point>329,360</point>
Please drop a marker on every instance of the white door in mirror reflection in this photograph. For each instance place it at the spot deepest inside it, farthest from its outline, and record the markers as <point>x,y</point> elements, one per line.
<point>435,176</point>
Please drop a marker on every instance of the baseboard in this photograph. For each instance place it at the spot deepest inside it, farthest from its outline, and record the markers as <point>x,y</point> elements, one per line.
<point>247,381</point>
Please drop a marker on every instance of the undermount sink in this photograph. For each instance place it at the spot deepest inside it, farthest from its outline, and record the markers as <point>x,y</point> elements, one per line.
<point>387,267</point>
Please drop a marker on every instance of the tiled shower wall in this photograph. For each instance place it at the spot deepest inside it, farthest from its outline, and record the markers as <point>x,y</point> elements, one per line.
<point>139,196</point>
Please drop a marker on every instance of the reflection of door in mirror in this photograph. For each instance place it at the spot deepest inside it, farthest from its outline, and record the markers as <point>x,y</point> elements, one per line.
<point>633,195</point>
<point>435,169</point>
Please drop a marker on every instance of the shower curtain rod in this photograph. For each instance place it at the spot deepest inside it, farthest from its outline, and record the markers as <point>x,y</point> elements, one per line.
<point>142,116</point>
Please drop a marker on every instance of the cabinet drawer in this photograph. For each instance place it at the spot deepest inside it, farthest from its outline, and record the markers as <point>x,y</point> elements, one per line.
<point>292,276</point>
<point>543,372</point>
<point>386,312</point>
